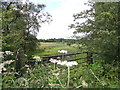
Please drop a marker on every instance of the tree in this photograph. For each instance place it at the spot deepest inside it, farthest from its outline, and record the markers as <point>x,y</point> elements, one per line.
<point>21,23</point>
<point>101,27</point>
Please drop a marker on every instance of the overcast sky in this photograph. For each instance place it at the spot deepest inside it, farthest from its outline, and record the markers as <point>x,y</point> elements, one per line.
<point>62,12</point>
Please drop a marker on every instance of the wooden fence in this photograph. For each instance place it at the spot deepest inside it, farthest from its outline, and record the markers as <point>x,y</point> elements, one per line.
<point>89,57</point>
<point>20,60</point>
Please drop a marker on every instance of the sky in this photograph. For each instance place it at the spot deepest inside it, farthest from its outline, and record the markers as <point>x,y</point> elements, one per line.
<point>62,15</point>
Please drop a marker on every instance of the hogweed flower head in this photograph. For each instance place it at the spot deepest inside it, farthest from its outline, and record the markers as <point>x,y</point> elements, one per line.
<point>9,52</point>
<point>62,63</point>
<point>3,64</point>
<point>68,64</point>
<point>9,61</point>
<point>37,58</point>
<point>54,60</point>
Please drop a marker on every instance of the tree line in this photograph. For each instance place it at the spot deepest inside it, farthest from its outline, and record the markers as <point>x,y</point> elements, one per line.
<point>56,40</point>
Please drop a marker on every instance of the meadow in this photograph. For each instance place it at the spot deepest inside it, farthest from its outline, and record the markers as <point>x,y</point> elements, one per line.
<point>51,48</point>
<point>61,73</point>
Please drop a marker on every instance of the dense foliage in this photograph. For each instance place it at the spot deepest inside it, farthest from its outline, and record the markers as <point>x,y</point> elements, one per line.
<point>20,24</point>
<point>101,29</point>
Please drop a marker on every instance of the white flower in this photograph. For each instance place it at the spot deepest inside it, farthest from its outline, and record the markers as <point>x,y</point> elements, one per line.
<point>4,69</point>
<point>8,62</point>
<point>36,57</point>
<point>25,55</point>
<point>59,62</point>
<point>103,83</point>
<point>54,60</point>
<point>27,66</point>
<point>1,66</point>
<point>63,51</point>
<point>1,52</point>
<point>56,74</point>
<point>84,84</point>
<point>63,63</point>
<point>9,52</point>
<point>1,56</point>
<point>74,63</point>
<point>68,64</point>
<point>58,57</point>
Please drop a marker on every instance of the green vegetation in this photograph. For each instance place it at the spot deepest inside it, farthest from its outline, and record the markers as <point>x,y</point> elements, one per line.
<point>20,27</point>
<point>51,48</point>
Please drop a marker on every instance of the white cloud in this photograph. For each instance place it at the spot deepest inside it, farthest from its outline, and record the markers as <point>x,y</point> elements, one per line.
<point>62,17</point>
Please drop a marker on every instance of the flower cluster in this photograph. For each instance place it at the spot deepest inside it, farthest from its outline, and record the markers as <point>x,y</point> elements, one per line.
<point>55,74</point>
<point>9,62</point>
<point>37,58</point>
<point>9,52</point>
<point>66,63</point>
<point>63,51</point>
<point>3,64</point>
<point>6,52</point>
<point>54,60</point>
<point>84,84</point>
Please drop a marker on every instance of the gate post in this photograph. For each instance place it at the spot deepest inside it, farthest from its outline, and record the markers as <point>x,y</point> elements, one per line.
<point>20,62</point>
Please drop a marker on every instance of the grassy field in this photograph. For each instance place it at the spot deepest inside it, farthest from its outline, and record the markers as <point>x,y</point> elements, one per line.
<point>52,48</point>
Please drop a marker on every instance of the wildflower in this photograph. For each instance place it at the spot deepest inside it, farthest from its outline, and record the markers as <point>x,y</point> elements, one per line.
<point>84,84</point>
<point>9,52</point>
<point>63,63</point>
<point>9,62</point>
<point>25,55</point>
<point>36,57</point>
<point>54,60</point>
<point>63,51</point>
<point>74,63</point>
<point>26,66</point>
<point>58,58</point>
<point>103,83</point>
<point>1,52</point>
<point>1,66</point>
<point>68,64</point>
<point>4,69</point>
<point>56,74</point>
<point>59,62</point>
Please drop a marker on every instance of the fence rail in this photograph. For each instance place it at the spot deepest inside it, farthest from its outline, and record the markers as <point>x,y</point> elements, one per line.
<point>20,60</point>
